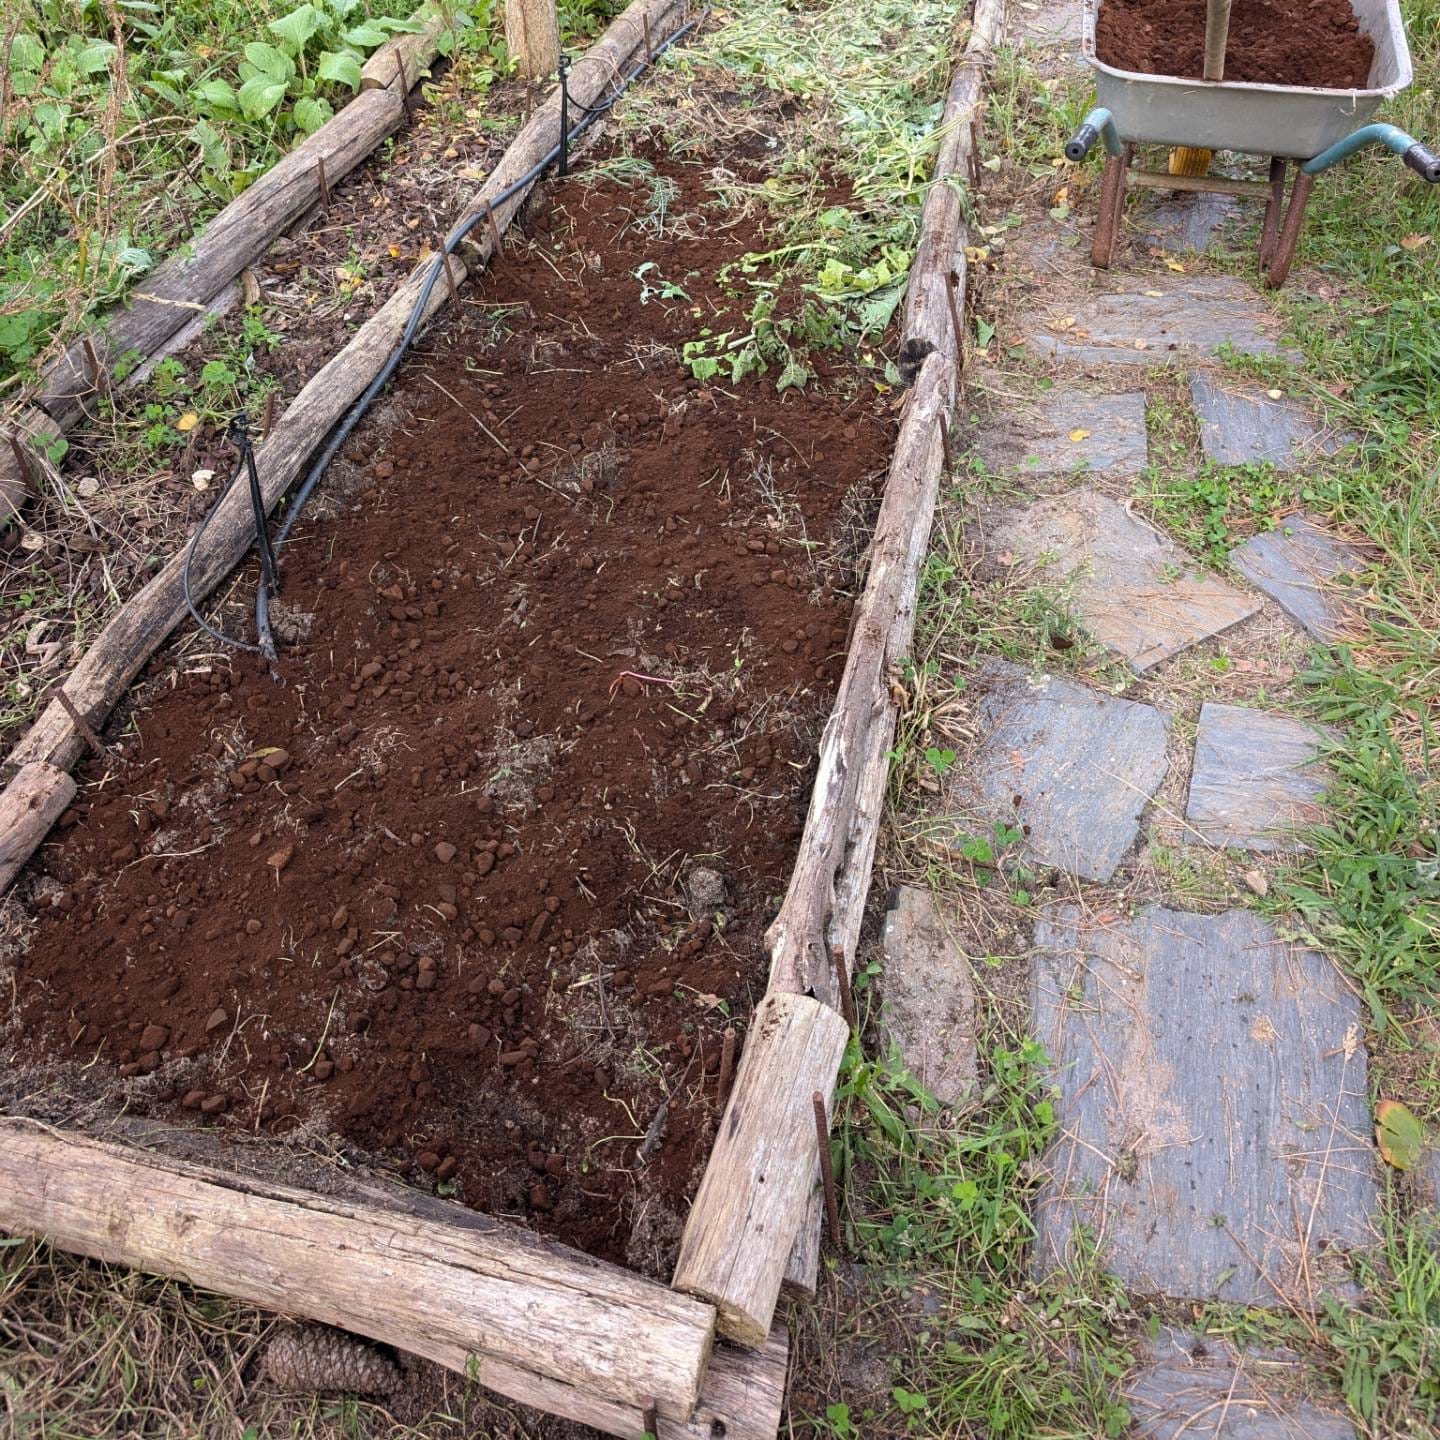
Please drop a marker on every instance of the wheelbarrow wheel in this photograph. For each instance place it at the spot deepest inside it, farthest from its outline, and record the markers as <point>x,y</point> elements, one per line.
<point>1112,203</point>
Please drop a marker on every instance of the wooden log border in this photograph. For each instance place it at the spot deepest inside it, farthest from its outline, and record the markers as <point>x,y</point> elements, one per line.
<point>824,903</point>
<point>184,287</point>
<point>532,1320</point>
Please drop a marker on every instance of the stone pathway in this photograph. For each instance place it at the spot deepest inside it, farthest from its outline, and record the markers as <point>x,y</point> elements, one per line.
<point>1214,1133</point>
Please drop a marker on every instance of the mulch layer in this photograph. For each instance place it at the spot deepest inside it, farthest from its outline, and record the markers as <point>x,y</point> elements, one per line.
<point>1271,42</point>
<point>481,884</point>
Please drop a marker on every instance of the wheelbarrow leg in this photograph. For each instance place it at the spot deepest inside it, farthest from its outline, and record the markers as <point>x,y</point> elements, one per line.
<point>1274,209</point>
<point>1284,255</point>
<point>1112,203</point>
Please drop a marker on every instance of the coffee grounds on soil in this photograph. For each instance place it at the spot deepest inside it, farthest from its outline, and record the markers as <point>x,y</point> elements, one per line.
<point>574,636</point>
<point>1271,42</point>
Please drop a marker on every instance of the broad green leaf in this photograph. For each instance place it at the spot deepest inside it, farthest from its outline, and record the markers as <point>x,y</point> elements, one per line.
<point>310,113</point>
<point>91,56</point>
<point>212,145</point>
<point>260,95</point>
<point>272,61</point>
<point>1399,1134</point>
<point>296,28</point>
<point>167,92</point>
<point>218,93</point>
<point>341,67</point>
<point>366,35</point>
<point>26,52</point>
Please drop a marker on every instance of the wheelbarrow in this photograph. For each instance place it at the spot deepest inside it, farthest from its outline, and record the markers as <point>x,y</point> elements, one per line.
<point>1313,127</point>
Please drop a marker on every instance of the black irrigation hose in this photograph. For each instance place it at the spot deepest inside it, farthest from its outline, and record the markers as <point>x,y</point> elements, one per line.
<point>269,579</point>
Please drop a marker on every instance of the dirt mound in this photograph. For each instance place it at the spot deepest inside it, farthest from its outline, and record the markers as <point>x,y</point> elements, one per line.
<point>571,641</point>
<point>1271,42</point>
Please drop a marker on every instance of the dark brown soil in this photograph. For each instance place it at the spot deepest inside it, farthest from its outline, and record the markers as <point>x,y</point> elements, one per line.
<point>480,886</point>
<point>1271,42</point>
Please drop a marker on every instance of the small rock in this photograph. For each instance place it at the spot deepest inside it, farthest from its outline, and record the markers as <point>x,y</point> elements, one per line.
<point>539,1197</point>
<point>706,890</point>
<point>279,859</point>
<point>216,1019</point>
<point>214,1105</point>
<point>1257,883</point>
<point>445,852</point>
<point>153,1037</point>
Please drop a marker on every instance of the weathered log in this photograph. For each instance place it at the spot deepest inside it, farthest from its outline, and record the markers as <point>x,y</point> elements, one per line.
<point>30,805</point>
<point>532,36</point>
<point>408,56</point>
<point>485,1294</point>
<point>941,251</point>
<point>132,636</point>
<point>183,285</point>
<point>20,465</point>
<point>757,1185</point>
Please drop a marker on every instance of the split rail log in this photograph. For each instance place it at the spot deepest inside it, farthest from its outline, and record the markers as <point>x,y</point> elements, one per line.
<point>31,804</point>
<point>133,635</point>
<point>824,903</point>
<point>533,1320</point>
<point>184,285</point>
<point>758,1183</point>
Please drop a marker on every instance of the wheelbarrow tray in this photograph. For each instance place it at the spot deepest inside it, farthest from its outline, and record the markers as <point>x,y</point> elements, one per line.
<point>1293,121</point>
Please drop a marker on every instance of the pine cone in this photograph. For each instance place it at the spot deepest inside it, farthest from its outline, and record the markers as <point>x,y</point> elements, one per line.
<point>316,1358</point>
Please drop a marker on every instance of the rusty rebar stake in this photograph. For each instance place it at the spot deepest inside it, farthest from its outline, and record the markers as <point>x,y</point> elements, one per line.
<point>945,445</point>
<point>651,1420</point>
<point>649,51</point>
<point>267,416</point>
<point>81,724</point>
<point>324,184</point>
<point>92,363</point>
<point>445,262</point>
<point>827,1170</point>
<point>498,245</point>
<point>975,171</point>
<point>727,1061</point>
<point>22,461</point>
<point>842,984</point>
<point>955,317</point>
<point>404,86</point>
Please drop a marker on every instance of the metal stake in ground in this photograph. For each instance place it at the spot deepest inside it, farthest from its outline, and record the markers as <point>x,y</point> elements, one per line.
<point>82,725</point>
<point>564,114</point>
<point>837,952</point>
<point>404,86</point>
<point>955,318</point>
<point>22,462</point>
<point>727,1062</point>
<point>324,184</point>
<point>827,1171</point>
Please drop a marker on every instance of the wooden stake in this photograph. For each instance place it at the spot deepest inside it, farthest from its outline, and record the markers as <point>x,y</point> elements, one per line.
<point>1217,32</point>
<point>727,1063</point>
<point>324,185</point>
<point>93,366</point>
<point>945,446</point>
<point>267,415</point>
<point>649,49</point>
<point>496,242</point>
<point>955,324</point>
<point>827,1169</point>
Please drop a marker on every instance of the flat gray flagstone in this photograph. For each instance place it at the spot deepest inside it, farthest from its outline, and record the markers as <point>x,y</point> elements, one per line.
<point>1214,1128</point>
<point>1070,767</point>
<point>1256,779</point>
<point>1163,322</point>
<point>1188,222</point>
<point>1133,588</point>
<point>1240,424</point>
<point>1045,22</point>
<point>929,997</point>
<point>1203,1388</point>
<point>1296,566</point>
<point>1066,433</point>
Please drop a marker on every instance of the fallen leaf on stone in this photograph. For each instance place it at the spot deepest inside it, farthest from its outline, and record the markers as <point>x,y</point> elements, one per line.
<point>1400,1136</point>
<point>1078,435</point>
<point>1156,294</point>
<point>32,540</point>
<point>87,486</point>
<point>1257,882</point>
<point>1413,242</point>
<point>1276,394</point>
<point>1174,265</point>
<point>187,422</point>
<point>201,479</point>
<point>1065,322</point>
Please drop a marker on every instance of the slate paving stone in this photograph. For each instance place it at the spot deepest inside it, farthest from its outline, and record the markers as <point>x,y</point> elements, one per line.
<point>1214,1125</point>
<point>1292,565</point>
<point>1075,766</point>
<point>1134,590</point>
<point>929,997</point>
<point>1256,779</point>
<point>1045,24</point>
<point>1202,1388</point>
<point>1163,322</point>
<point>1066,433</point>
<point>1188,223</point>
<point>1242,425</point>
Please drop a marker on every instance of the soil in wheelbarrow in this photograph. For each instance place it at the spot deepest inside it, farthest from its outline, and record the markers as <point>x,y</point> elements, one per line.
<point>479,888</point>
<point>1271,42</point>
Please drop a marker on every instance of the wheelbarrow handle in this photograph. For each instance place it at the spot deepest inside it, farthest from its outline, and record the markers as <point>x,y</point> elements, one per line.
<point>1097,125</point>
<point>1424,162</point>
